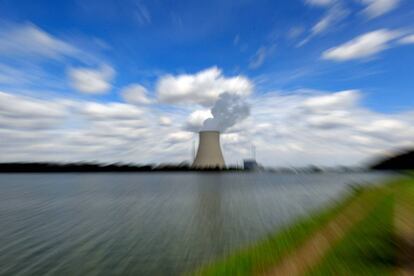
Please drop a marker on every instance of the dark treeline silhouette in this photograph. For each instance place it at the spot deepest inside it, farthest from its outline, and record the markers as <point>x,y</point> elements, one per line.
<point>402,161</point>
<point>33,167</point>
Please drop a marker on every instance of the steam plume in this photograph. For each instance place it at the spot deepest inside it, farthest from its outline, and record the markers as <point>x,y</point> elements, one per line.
<point>228,110</point>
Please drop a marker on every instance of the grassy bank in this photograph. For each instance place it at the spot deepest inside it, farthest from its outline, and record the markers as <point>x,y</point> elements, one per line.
<point>369,247</point>
<point>258,258</point>
<point>374,246</point>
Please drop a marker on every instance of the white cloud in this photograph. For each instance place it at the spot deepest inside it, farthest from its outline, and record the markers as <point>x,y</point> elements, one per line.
<point>28,113</point>
<point>107,111</point>
<point>135,94</point>
<point>13,75</point>
<point>24,49</point>
<point>320,2</point>
<point>334,15</point>
<point>323,128</point>
<point>263,53</point>
<point>92,81</point>
<point>287,128</point>
<point>362,46</point>
<point>69,130</point>
<point>339,100</point>
<point>28,39</point>
<point>202,88</point>
<point>377,8</point>
<point>180,136</point>
<point>258,59</point>
<point>196,119</point>
<point>165,121</point>
<point>295,32</point>
<point>409,39</point>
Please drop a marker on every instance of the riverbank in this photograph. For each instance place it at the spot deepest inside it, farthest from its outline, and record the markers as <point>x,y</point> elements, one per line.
<point>353,237</point>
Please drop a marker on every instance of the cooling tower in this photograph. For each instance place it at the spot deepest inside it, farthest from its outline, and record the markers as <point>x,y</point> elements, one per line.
<point>209,152</point>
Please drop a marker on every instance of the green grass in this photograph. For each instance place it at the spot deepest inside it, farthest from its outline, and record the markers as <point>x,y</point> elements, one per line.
<point>410,190</point>
<point>368,249</point>
<point>405,190</point>
<point>259,257</point>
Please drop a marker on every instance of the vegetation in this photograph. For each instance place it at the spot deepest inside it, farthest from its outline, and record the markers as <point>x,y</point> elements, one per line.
<point>401,161</point>
<point>367,249</point>
<point>259,257</point>
<point>96,167</point>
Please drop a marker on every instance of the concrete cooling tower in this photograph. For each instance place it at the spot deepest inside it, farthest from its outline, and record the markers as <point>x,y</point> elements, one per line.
<point>209,151</point>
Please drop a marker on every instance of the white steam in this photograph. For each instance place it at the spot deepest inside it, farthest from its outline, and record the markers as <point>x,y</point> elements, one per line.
<point>228,110</point>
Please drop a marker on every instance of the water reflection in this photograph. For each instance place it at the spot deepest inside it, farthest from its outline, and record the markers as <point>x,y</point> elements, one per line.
<point>209,217</point>
<point>146,224</point>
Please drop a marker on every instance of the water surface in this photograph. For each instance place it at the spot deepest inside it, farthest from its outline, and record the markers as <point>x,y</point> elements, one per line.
<point>148,223</point>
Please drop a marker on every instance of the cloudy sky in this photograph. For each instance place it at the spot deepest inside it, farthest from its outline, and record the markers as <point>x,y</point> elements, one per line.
<point>328,82</point>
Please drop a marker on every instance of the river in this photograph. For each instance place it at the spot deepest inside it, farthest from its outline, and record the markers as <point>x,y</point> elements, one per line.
<point>149,223</point>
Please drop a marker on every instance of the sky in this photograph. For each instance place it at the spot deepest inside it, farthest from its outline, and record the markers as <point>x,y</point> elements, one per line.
<point>323,82</point>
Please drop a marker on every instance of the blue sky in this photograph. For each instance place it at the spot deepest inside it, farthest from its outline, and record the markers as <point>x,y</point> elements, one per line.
<point>92,52</point>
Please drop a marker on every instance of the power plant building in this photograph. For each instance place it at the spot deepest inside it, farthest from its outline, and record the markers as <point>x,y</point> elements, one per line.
<point>250,164</point>
<point>209,153</point>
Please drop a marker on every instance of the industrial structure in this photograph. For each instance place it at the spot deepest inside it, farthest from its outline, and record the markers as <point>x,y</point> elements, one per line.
<point>250,164</point>
<point>209,151</point>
